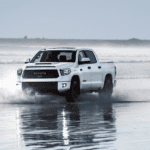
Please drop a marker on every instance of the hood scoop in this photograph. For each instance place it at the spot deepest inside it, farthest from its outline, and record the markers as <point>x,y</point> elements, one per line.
<point>40,67</point>
<point>43,63</point>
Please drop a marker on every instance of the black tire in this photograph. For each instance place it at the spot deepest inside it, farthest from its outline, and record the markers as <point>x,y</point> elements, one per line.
<point>107,90</point>
<point>74,91</point>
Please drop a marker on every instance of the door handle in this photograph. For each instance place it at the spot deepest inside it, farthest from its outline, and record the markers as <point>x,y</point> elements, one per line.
<point>89,67</point>
<point>99,67</point>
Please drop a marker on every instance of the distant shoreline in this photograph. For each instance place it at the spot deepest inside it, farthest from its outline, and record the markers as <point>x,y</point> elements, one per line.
<point>74,42</point>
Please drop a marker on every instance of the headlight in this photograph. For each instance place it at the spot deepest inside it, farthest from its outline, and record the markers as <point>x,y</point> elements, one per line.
<point>64,72</point>
<point>19,72</point>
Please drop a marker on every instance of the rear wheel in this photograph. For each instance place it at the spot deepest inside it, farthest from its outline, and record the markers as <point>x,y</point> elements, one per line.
<point>107,90</point>
<point>74,91</point>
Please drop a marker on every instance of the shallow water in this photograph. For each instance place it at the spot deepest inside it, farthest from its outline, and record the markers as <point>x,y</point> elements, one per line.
<point>48,122</point>
<point>86,124</point>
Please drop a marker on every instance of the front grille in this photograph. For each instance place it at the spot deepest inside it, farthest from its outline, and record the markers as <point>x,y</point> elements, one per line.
<point>32,74</point>
<point>43,87</point>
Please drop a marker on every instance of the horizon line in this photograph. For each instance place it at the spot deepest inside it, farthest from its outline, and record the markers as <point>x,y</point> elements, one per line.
<point>26,38</point>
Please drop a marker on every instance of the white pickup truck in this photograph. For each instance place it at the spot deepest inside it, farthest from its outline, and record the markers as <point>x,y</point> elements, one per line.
<point>68,72</point>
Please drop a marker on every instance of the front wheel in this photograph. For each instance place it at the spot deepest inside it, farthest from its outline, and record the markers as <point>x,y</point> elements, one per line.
<point>107,90</point>
<point>74,92</point>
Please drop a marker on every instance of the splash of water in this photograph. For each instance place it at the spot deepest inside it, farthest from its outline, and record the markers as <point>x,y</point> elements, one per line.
<point>11,94</point>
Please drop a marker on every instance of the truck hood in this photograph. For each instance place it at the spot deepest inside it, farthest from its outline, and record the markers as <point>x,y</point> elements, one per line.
<point>57,65</point>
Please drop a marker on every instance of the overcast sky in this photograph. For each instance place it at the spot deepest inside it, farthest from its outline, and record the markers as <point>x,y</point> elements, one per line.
<point>75,19</point>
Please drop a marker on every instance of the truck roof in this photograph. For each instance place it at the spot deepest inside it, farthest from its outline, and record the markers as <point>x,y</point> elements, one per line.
<point>66,49</point>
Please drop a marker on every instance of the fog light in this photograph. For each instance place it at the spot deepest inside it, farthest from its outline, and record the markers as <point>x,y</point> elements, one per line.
<point>64,85</point>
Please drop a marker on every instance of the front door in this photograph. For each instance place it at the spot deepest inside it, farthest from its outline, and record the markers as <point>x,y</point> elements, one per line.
<point>85,73</point>
<point>96,70</point>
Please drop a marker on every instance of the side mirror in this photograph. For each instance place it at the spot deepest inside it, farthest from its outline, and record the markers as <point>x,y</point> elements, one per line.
<point>27,61</point>
<point>84,61</point>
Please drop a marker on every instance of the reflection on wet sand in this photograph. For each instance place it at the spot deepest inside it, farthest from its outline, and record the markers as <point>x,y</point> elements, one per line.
<point>72,125</point>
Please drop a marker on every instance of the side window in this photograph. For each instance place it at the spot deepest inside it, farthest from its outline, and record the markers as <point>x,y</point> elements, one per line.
<point>90,55</point>
<point>81,55</point>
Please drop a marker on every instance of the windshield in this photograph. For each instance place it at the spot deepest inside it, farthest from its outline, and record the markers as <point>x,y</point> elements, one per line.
<point>54,56</point>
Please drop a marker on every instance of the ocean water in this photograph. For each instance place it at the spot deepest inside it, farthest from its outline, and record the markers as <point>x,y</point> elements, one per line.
<point>18,54</point>
<point>49,122</point>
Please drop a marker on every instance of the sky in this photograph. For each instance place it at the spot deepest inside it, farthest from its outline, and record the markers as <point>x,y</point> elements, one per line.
<point>75,19</point>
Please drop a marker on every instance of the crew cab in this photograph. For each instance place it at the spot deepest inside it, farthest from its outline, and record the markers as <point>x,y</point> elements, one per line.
<point>67,72</point>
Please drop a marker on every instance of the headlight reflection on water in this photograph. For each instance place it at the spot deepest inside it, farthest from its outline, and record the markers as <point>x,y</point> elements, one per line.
<point>65,131</point>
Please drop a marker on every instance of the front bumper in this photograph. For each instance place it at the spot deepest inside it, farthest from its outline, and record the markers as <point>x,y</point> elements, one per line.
<point>45,87</point>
